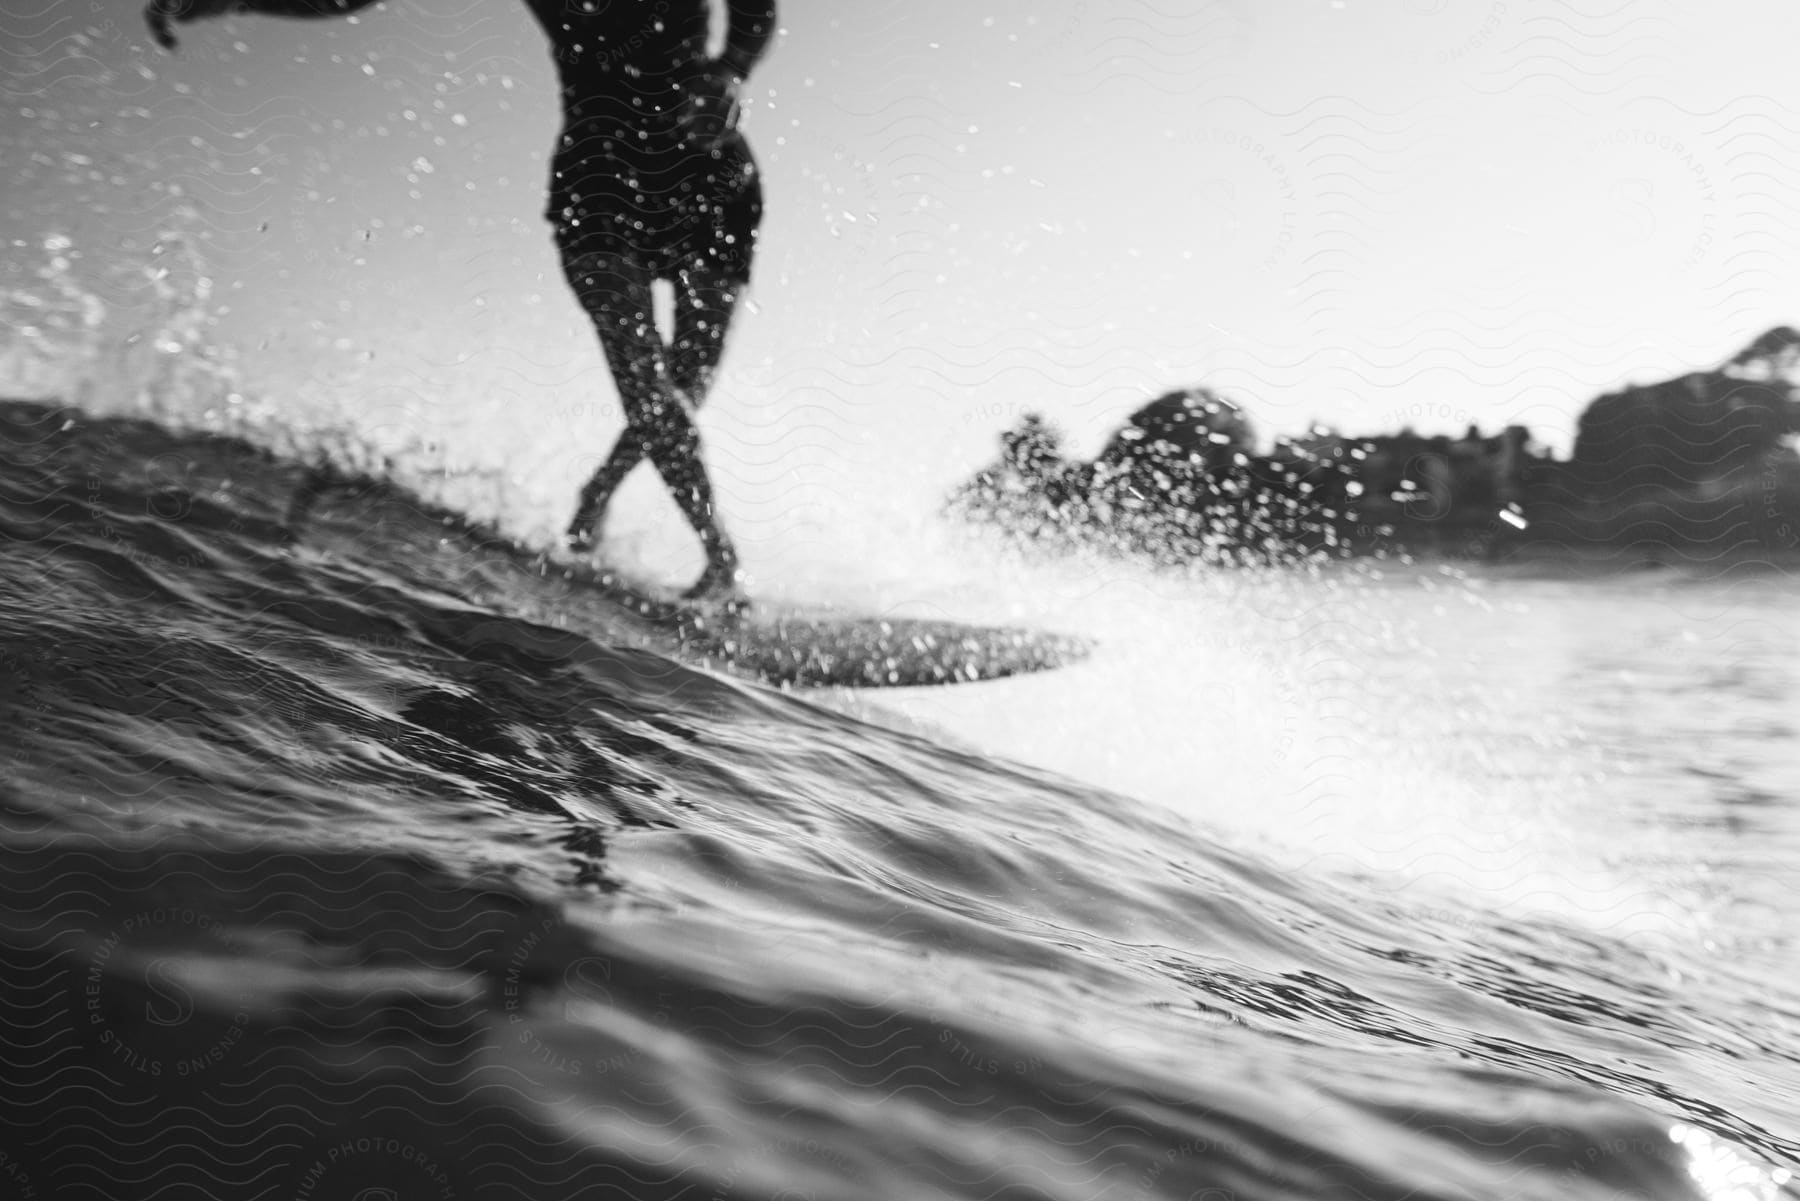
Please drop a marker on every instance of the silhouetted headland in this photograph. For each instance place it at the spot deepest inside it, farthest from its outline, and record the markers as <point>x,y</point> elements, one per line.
<point>1702,467</point>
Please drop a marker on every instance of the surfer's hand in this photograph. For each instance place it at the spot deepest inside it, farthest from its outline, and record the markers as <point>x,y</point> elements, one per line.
<point>159,13</point>
<point>709,112</point>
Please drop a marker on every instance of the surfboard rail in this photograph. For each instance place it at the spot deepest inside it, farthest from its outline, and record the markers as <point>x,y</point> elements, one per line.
<point>802,646</point>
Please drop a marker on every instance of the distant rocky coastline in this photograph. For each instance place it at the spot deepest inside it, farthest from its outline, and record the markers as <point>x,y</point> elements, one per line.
<point>1702,466</point>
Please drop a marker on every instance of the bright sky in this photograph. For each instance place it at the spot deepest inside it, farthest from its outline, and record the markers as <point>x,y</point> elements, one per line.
<point>1369,214</point>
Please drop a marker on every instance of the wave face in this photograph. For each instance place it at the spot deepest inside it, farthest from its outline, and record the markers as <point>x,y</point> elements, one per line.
<point>366,868</point>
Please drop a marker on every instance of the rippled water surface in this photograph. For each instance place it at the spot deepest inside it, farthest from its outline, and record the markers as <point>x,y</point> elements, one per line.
<point>377,862</point>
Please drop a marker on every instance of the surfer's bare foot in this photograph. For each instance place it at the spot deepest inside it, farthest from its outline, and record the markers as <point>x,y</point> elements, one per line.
<point>583,531</point>
<point>721,581</point>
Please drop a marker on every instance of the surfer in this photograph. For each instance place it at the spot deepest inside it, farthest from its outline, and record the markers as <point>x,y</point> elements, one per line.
<point>651,180</point>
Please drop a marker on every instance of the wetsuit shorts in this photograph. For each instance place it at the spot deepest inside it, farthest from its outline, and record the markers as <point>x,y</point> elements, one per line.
<point>668,207</point>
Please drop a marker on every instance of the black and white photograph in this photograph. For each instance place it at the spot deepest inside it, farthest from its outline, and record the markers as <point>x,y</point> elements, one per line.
<point>900,600</point>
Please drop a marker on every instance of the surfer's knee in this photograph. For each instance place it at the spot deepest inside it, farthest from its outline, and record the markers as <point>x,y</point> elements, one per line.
<point>706,304</point>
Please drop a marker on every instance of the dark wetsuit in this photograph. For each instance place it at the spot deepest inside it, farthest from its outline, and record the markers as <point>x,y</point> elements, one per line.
<point>623,172</point>
<point>673,212</point>
<point>649,181</point>
<point>635,196</point>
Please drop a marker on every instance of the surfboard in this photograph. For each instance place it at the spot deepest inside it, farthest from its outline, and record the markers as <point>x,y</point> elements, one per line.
<point>786,645</point>
<point>802,646</point>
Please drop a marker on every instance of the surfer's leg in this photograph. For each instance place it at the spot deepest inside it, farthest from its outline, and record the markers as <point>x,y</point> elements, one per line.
<point>705,299</point>
<point>673,445</point>
<point>703,307</point>
<point>615,291</point>
<point>713,275</point>
<point>590,507</point>
<point>704,302</point>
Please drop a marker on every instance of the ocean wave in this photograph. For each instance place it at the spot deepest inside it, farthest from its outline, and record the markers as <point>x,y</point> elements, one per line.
<point>361,864</point>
